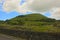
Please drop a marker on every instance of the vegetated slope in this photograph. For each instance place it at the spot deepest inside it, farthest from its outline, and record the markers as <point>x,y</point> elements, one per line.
<point>29,17</point>
<point>31,22</point>
<point>31,27</point>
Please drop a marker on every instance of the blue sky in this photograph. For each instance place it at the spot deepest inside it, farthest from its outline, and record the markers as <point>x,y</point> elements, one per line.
<point>5,15</point>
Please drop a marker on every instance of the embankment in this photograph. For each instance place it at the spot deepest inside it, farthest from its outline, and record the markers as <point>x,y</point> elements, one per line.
<point>29,35</point>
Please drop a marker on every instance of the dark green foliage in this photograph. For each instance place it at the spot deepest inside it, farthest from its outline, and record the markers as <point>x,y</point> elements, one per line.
<point>1,22</point>
<point>16,22</point>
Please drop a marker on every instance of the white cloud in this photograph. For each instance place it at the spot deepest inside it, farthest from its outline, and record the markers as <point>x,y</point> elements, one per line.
<point>10,5</point>
<point>0,1</point>
<point>14,5</point>
<point>55,13</point>
<point>42,5</point>
<point>33,6</point>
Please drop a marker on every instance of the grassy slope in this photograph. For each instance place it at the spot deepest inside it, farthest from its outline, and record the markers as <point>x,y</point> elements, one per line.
<point>30,22</point>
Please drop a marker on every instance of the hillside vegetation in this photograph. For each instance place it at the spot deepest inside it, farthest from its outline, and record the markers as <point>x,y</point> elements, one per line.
<point>32,22</point>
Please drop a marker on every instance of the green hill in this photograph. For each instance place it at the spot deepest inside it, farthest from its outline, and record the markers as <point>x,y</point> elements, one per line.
<point>31,22</point>
<point>30,17</point>
<point>31,27</point>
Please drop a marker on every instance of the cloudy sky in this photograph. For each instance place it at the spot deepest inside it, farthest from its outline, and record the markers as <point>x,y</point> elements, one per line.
<point>12,8</point>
